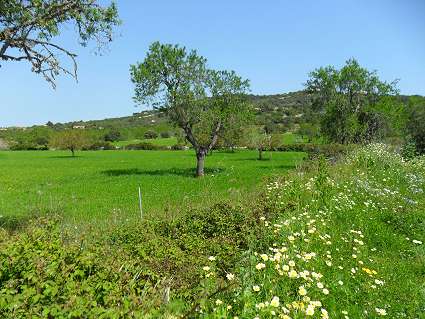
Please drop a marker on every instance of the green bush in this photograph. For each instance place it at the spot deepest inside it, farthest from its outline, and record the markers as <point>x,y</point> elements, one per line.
<point>178,147</point>
<point>47,272</point>
<point>145,146</point>
<point>166,134</point>
<point>21,146</point>
<point>112,136</point>
<point>42,276</point>
<point>314,150</point>
<point>99,146</point>
<point>150,134</point>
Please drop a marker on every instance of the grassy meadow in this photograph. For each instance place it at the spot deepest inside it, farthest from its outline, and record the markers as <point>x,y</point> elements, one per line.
<point>98,185</point>
<point>342,240</point>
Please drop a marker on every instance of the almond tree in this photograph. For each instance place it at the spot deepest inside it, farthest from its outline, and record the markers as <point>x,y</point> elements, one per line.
<point>199,100</point>
<point>70,139</point>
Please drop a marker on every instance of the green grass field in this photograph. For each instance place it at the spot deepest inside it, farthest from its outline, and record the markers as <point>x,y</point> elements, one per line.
<point>102,184</point>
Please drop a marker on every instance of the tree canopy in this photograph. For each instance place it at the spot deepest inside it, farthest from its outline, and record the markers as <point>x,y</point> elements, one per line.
<point>71,139</point>
<point>28,29</point>
<point>199,100</point>
<point>351,102</point>
<point>416,122</point>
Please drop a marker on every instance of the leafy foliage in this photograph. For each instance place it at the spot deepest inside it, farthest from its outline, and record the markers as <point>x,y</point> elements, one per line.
<point>28,28</point>
<point>352,101</point>
<point>150,134</point>
<point>73,140</point>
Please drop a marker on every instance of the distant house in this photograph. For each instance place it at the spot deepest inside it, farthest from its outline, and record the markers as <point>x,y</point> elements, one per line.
<point>81,127</point>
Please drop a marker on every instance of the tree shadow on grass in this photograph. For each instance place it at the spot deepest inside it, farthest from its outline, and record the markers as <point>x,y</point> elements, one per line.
<point>185,172</point>
<point>252,159</point>
<point>66,156</point>
<point>287,166</point>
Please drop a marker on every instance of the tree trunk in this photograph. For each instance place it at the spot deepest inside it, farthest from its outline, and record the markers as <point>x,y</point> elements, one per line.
<point>73,152</point>
<point>260,154</point>
<point>200,156</point>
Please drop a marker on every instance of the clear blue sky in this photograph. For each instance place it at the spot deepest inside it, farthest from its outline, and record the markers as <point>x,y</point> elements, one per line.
<point>273,43</point>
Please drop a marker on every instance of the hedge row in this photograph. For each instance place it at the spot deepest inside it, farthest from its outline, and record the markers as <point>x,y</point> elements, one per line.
<point>328,150</point>
<point>153,147</point>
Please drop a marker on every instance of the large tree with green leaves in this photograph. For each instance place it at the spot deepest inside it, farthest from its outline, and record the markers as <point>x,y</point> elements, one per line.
<point>199,100</point>
<point>29,28</point>
<point>353,102</point>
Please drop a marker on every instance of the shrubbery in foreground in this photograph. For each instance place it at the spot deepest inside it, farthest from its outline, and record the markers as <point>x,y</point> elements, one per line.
<point>342,241</point>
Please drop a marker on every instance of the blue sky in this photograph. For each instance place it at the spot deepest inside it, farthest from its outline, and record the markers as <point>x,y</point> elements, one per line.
<point>273,43</point>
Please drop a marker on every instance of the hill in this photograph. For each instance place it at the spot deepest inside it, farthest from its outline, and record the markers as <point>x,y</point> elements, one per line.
<point>280,109</point>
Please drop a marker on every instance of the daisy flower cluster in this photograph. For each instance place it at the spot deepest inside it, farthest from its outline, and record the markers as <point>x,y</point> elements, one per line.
<point>320,261</point>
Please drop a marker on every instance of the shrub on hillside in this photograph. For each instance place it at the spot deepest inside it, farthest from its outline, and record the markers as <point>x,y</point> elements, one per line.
<point>112,136</point>
<point>166,134</point>
<point>99,146</point>
<point>150,134</point>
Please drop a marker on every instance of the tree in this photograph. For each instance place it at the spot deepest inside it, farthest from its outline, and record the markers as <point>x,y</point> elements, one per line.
<point>70,139</point>
<point>40,136</point>
<point>349,100</point>
<point>308,130</point>
<point>199,100</point>
<point>28,28</point>
<point>256,138</point>
<point>416,122</point>
<point>150,135</point>
<point>112,136</point>
<point>233,133</point>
